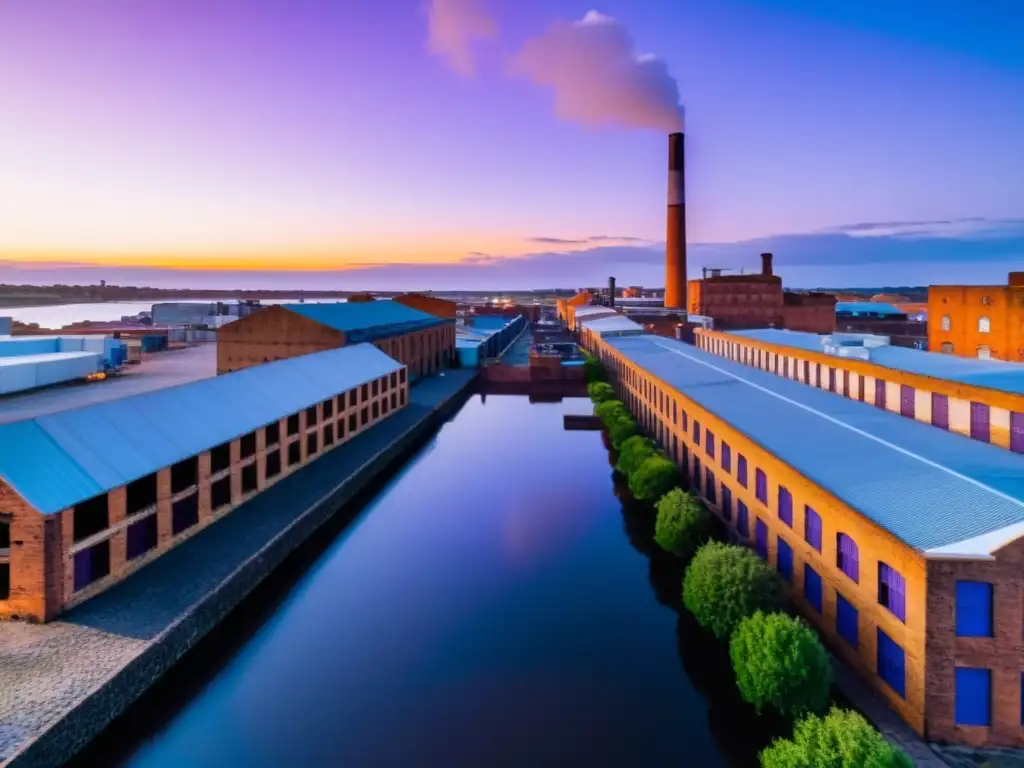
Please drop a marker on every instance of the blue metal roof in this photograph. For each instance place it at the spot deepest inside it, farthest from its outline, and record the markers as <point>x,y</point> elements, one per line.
<point>61,459</point>
<point>868,307</point>
<point>994,374</point>
<point>928,487</point>
<point>367,320</point>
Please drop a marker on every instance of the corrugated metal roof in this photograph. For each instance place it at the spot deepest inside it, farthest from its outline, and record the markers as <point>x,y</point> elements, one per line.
<point>58,460</point>
<point>928,487</point>
<point>367,320</point>
<point>592,310</point>
<point>868,307</point>
<point>613,324</point>
<point>994,374</point>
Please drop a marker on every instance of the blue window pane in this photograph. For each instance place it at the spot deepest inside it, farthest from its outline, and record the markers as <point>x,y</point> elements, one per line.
<point>761,486</point>
<point>761,539</point>
<point>710,488</point>
<point>892,664</point>
<point>726,503</point>
<point>973,696</point>
<point>812,528</point>
<point>892,591</point>
<point>785,506</point>
<point>742,520</point>
<point>848,556</point>
<point>696,432</point>
<point>812,587</point>
<point>726,457</point>
<point>846,620</point>
<point>741,470</point>
<point>973,609</point>
<point>784,558</point>
<point>709,444</point>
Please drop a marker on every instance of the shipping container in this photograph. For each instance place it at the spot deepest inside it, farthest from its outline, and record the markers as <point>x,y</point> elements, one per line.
<point>21,373</point>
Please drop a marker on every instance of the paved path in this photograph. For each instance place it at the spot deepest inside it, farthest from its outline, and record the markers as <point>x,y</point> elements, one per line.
<point>47,670</point>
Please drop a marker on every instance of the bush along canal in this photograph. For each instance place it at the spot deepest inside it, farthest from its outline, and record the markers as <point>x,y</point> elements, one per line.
<point>500,601</point>
<point>731,596</point>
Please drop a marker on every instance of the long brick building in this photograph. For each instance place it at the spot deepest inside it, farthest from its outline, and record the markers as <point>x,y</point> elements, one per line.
<point>91,494</point>
<point>421,341</point>
<point>983,400</point>
<point>901,543</point>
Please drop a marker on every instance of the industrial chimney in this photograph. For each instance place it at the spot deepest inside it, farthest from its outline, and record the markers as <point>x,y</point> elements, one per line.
<point>611,291</point>
<point>766,264</point>
<point>675,242</point>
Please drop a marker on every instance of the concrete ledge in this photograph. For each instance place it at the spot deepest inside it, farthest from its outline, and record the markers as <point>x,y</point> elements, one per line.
<point>162,643</point>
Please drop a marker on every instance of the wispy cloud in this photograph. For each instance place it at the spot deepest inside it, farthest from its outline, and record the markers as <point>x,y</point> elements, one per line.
<point>617,239</point>
<point>958,228</point>
<point>454,27</point>
<point>556,241</point>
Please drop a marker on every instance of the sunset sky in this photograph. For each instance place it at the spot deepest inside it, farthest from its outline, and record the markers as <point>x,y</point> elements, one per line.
<point>397,141</point>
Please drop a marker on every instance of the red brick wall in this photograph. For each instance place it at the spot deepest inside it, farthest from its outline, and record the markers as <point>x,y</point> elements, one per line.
<point>271,334</point>
<point>36,588</point>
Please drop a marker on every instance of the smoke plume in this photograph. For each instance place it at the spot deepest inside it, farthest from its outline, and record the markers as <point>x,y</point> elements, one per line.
<point>598,78</point>
<point>453,27</point>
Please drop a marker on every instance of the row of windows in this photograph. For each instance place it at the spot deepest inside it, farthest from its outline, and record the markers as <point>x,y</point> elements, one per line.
<point>984,324</point>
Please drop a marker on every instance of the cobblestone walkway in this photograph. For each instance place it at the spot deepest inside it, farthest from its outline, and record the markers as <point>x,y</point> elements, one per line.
<point>47,670</point>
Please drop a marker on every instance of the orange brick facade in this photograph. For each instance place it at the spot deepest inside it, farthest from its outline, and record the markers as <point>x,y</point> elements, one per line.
<point>926,633</point>
<point>984,321</point>
<point>275,333</point>
<point>41,558</point>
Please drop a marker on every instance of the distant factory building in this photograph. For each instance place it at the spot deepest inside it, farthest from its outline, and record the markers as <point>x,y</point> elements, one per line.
<point>883,318</point>
<point>89,495</point>
<point>983,400</point>
<point>901,543</point>
<point>423,342</point>
<point>980,321</point>
<point>429,304</point>
<point>213,313</point>
<point>485,337</point>
<point>5,326</point>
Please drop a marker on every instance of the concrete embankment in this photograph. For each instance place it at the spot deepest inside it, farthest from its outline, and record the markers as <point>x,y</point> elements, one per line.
<point>64,682</point>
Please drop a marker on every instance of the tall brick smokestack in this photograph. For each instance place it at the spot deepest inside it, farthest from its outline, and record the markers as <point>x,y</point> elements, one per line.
<point>675,242</point>
<point>611,291</point>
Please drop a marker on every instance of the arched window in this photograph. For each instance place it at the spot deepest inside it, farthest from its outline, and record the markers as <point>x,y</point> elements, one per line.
<point>946,347</point>
<point>848,556</point>
<point>984,325</point>
<point>946,323</point>
<point>984,352</point>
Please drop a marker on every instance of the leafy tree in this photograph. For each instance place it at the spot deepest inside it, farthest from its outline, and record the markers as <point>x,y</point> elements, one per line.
<point>780,664</point>
<point>683,523</point>
<point>600,391</point>
<point>592,369</point>
<point>611,411</point>
<point>632,453</point>
<point>655,477</point>
<point>840,739</point>
<point>621,429</point>
<point>724,584</point>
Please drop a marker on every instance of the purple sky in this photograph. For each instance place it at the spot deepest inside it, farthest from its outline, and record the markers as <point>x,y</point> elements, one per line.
<point>320,134</point>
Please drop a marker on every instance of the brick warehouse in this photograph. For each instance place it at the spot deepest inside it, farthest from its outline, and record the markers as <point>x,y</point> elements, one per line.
<point>983,400</point>
<point>89,495</point>
<point>901,544</point>
<point>423,342</point>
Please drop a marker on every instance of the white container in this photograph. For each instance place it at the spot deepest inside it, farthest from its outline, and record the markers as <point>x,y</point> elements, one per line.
<point>18,374</point>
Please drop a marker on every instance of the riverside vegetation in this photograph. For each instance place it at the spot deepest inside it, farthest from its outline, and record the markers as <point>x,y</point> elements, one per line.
<point>778,660</point>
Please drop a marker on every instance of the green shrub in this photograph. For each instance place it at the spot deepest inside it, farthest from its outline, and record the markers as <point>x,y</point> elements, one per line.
<point>592,369</point>
<point>620,430</point>
<point>840,739</point>
<point>632,453</point>
<point>655,477</point>
<point>599,391</point>
<point>611,411</point>
<point>780,664</point>
<point>724,584</point>
<point>683,523</point>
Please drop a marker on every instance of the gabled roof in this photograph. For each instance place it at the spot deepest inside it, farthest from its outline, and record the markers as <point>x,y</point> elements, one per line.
<point>939,492</point>
<point>612,324</point>
<point>367,320</point>
<point>61,459</point>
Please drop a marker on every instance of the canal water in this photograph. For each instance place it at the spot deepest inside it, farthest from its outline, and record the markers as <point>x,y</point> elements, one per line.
<point>493,605</point>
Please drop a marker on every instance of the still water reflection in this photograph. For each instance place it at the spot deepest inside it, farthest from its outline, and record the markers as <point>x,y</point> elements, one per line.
<point>486,609</point>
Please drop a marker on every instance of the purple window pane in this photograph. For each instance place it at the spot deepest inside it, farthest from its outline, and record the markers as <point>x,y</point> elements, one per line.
<point>83,569</point>
<point>741,470</point>
<point>907,407</point>
<point>1017,432</point>
<point>726,457</point>
<point>892,588</point>
<point>812,528</point>
<point>761,486</point>
<point>785,506</point>
<point>726,503</point>
<point>940,411</point>
<point>696,432</point>
<point>710,489</point>
<point>980,422</point>
<point>761,539</point>
<point>742,526</point>
<point>710,445</point>
<point>848,557</point>
<point>879,393</point>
